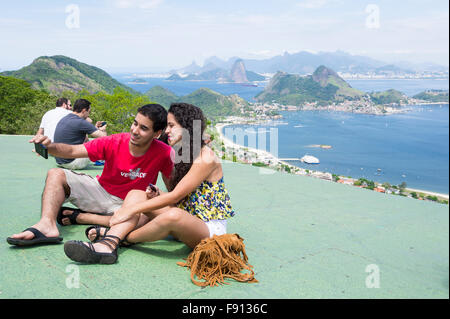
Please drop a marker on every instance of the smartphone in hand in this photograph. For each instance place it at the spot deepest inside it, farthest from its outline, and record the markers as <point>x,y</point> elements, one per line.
<point>152,187</point>
<point>41,150</point>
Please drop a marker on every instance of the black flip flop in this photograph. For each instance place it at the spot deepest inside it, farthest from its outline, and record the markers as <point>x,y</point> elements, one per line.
<point>72,217</point>
<point>39,238</point>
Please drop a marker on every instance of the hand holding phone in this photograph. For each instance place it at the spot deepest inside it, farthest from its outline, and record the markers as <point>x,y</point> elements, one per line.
<point>41,150</point>
<point>152,191</point>
<point>100,124</point>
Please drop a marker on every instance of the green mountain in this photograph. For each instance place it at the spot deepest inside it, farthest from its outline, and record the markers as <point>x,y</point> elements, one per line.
<point>59,73</point>
<point>323,86</point>
<point>326,76</point>
<point>388,97</point>
<point>213,104</point>
<point>162,96</point>
<point>433,96</point>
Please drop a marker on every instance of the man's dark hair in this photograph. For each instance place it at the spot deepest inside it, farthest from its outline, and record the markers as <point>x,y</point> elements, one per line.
<point>80,105</point>
<point>156,113</point>
<point>61,101</point>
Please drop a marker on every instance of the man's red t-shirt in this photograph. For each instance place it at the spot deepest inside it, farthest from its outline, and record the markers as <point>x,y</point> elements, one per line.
<point>122,171</point>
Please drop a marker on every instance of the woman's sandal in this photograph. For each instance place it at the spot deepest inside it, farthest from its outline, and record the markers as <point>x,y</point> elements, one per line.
<point>98,229</point>
<point>78,251</point>
<point>98,236</point>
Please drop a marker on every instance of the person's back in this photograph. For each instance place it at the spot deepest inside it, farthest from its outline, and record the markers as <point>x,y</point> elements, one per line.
<point>52,117</point>
<point>73,129</point>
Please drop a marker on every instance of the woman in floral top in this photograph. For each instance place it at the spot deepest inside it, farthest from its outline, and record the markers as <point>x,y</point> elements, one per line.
<point>196,206</point>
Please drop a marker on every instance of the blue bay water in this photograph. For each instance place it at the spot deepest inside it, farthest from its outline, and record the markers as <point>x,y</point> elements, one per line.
<point>412,147</point>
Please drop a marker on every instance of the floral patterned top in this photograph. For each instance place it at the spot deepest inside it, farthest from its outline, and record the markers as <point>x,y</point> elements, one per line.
<point>209,201</point>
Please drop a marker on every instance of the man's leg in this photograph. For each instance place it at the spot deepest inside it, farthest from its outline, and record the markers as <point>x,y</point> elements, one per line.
<point>54,194</point>
<point>90,197</point>
<point>85,218</point>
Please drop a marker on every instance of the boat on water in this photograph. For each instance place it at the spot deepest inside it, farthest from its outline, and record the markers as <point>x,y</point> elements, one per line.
<point>308,159</point>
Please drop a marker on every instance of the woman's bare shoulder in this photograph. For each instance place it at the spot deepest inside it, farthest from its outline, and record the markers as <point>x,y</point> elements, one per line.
<point>207,156</point>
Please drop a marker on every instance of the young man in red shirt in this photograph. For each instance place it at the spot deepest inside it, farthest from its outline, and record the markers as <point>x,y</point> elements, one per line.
<point>132,161</point>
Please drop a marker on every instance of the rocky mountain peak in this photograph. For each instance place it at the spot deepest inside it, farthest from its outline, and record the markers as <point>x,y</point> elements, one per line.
<point>238,73</point>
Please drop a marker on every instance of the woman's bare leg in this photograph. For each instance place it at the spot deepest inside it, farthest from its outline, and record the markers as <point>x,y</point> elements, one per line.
<point>104,220</point>
<point>173,221</point>
<point>122,229</point>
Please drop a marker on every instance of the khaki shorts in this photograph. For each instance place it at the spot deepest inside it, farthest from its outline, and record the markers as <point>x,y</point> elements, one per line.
<point>87,194</point>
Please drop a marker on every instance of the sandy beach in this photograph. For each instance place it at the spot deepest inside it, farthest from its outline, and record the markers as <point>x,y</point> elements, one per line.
<point>260,153</point>
<point>445,196</point>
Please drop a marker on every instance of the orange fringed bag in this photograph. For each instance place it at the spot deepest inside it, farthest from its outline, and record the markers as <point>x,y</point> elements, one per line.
<point>217,258</point>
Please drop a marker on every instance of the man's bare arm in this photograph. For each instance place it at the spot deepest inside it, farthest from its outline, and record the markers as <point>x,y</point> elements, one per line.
<point>101,130</point>
<point>99,133</point>
<point>60,149</point>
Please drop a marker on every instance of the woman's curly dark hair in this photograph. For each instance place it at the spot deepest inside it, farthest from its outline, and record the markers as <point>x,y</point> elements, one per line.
<point>186,114</point>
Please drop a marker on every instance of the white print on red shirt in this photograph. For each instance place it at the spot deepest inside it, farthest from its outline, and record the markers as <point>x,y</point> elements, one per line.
<point>133,174</point>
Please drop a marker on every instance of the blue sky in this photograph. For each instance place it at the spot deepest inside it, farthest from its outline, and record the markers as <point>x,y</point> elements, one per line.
<point>163,34</point>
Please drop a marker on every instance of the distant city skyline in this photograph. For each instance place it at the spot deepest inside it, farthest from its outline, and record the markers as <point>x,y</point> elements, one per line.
<point>159,35</point>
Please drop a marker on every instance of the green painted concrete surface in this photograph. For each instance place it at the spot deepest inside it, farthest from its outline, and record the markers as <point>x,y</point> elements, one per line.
<point>305,237</point>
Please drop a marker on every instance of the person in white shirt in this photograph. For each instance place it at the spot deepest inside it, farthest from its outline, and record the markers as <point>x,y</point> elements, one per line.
<point>52,117</point>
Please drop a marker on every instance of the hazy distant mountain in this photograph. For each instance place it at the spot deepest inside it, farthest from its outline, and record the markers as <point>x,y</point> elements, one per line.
<point>58,73</point>
<point>191,68</point>
<point>306,62</point>
<point>211,72</point>
<point>422,67</point>
<point>237,73</point>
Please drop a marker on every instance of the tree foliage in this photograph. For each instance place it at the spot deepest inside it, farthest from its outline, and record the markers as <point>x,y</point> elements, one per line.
<point>22,107</point>
<point>117,109</point>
